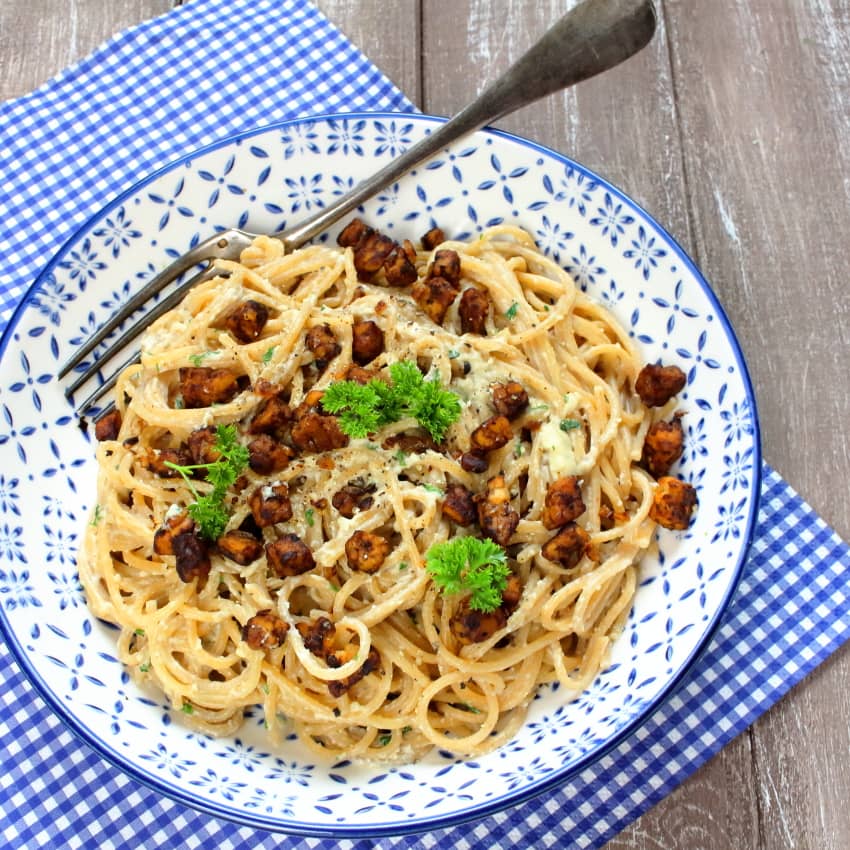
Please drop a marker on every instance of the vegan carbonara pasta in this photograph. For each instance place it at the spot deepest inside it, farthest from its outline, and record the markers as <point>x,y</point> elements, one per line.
<point>383,492</point>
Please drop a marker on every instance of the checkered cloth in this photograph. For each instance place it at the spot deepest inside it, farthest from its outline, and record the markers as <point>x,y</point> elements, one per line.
<point>203,72</point>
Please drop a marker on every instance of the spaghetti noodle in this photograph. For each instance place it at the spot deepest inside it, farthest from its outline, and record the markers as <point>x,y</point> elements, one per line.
<point>356,648</point>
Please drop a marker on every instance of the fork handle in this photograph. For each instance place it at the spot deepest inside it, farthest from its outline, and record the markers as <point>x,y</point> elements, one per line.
<point>592,37</point>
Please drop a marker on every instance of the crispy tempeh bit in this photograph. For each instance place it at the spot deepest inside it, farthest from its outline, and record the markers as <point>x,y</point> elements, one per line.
<point>563,502</point>
<point>191,556</point>
<point>568,546</point>
<point>240,546</point>
<point>371,252</point>
<point>471,626</point>
<point>352,233</point>
<point>473,310</point>
<point>459,505</point>
<point>178,536</point>
<point>491,435</point>
<point>663,446</point>
<point>264,630</point>
<point>474,462</point>
<point>498,520</point>
<point>315,430</point>
<point>318,637</point>
<point>657,384</point>
<point>321,340</point>
<point>433,238</point>
<point>270,504</point>
<point>446,264</point>
<point>367,342</point>
<point>510,399</point>
<point>289,556</point>
<point>156,461</point>
<point>366,551</point>
<point>359,375</point>
<point>201,386</point>
<point>266,455</point>
<point>352,498</point>
<point>108,426</point>
<point>673,503</point>
<point>608,517</point>
<point>272,414</point>
<point>398,266</point>
<point>371,248</point>
<point>438,290</point>
<point>178,523</point>
<point>416,443</point>
<point>435,295</point>
<point>201,444</point>
<point>246,322</point>
<point>338,687</point>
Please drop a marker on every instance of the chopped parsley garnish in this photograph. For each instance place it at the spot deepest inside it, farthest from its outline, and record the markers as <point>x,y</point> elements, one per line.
<point>453,354</point>
<point>208,510</point>
<point>518,448</point>
<point>570,424</point>
<point>510,313</point>
<point>139,632</point>
<point>403,565</point>
<point>197,359</point>
<point>308,516</point>
<point>188,708</point>
<point>470,565</point>
<point>400,458</point>
<point>144,668</point>
<point>268,354</point>
<point>432,488</point>
<point>97,516</point>
<point>365,408</point>
<point>383,740</point>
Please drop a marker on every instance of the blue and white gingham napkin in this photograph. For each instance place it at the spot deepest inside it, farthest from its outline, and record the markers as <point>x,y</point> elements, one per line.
<point>134,105</point>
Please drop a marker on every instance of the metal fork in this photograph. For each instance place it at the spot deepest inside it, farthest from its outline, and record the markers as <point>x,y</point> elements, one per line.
<point>592,37</point>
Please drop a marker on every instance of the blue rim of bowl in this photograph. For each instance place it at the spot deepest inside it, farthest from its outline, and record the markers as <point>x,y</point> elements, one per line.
<point>552,781</point>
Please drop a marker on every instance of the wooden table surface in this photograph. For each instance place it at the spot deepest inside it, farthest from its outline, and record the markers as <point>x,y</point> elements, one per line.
<point>733,130</point>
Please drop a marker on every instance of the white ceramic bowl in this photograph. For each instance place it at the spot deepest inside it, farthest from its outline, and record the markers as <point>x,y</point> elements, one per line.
<point>264,181</point>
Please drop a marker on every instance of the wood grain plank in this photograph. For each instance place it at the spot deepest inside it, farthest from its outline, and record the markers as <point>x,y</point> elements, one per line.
<point>387,33</point>
<point>767,161</point>
<point>802,755</point>
<point>741,147</point>
<point>622,124</point>
<point>764,98</point>
<point>41,37</point>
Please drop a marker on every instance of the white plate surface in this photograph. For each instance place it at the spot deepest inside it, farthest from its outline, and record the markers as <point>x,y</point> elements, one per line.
<point>264,181</point>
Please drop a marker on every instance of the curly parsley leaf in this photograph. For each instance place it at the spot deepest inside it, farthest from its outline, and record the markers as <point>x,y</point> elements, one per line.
<point>358,406</point>
<point>208,510</point>
<point>365,408</point>
<point>470,565</point>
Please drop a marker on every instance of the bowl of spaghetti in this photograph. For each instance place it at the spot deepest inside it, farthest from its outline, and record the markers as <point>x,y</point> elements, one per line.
<point>393,531</point>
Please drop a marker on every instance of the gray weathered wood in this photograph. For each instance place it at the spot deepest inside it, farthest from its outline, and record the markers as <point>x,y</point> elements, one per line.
<point>38,38</point>
<point>763,94</point>
<point>733,129</point>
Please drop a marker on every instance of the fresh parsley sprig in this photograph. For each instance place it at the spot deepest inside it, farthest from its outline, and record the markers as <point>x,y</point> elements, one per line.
<point>208,510</point>
<point>470,565</point>
<point>366,408</point>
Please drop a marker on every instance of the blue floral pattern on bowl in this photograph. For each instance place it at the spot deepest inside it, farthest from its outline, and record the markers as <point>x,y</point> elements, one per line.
<point>264,181</point>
